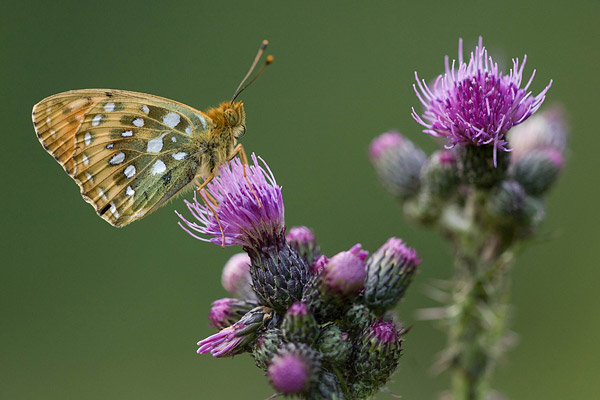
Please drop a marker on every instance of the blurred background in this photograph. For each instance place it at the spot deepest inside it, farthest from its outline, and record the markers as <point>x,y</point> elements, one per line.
<point>93,312</point>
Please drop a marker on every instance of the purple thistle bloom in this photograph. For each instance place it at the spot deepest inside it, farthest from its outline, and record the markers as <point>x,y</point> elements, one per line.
<point>474,103</point>
<point>300,234</point>
<point>244,221</point>
<point>226,312</point>
<point>294,369</point>
<point>233,339</point>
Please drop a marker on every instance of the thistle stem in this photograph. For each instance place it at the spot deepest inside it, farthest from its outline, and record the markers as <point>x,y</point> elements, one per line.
<point>478,304</point>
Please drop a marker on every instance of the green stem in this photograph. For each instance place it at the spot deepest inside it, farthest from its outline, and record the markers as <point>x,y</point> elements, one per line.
<point>478,305</point>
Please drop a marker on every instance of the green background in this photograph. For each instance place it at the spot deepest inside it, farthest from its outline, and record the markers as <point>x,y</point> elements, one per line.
<point>93,312</point>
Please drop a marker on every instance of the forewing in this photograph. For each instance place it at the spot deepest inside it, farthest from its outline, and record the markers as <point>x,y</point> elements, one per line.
<point>128,152</point>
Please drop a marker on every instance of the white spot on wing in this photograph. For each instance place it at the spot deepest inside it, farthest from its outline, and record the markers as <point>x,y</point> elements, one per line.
<point>155,145</point>
<point>117,158</point>
<point>109,107</point>
<point>188,130</point>
<point>202,120</point>
<point>87,138</point>
<point>138,122</point>
<point>101,194</point>
<point>48,120</point>
<point>145,109</point>
<point>52,131</point>
<point>127,133</point>
<point>85,159</point>
<point>129,191</point>
<point>179,156</point>
<point>158,167</point>
<point>114,211</point>
<point>171,119</point>
<point>173,139</point>
<point>97,119</point>
<point>129,171</point>
<point>110,146</point>
<point>89,177</point>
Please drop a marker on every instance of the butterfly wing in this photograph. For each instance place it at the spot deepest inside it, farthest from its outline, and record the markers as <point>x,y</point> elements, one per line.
<point>128,152</point>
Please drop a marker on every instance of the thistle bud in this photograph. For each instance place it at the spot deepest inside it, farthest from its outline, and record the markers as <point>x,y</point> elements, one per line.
<point>301,239</point>
<point>481,166</point>
<point>317,266</point>
<point>398,164</point>
<point>376,354</point>
<point>342,278</point>
<point>235,338</point>
<point>299,325</point>
<point>390,271</point>
<point>236,276</point>
<point>545,130</point>
<point>537,170</point>
<point>294,370</point>
<point>358,317</point>
<point>333,343</point>
<point>226,312</point>
<point>327,388</point>
<point>266,346</point>
<point>439,174</point>
<point>509,205</point>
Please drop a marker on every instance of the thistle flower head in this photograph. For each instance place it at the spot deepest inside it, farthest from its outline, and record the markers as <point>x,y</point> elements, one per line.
<point>474,103</point>
<point>294,369</point>
<point>233,339</point>
<point>227,311</point>
<point>390,271</point>
<point>236,276</point>
<point>398,163</point>
<point>244,220</point>
<point>345,272</point>
<point>545,130</point>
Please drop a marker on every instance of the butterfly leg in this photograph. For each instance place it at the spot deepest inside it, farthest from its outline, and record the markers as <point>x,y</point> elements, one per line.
<point>239,149</point>
<point>208,202</point>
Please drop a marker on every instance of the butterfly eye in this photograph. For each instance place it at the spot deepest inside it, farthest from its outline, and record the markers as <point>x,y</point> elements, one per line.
<point>242,132</point>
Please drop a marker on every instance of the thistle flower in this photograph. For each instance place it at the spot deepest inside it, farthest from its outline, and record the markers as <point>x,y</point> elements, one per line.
<point>474,103</point>
<point>330,292</point>
<point>244,220</point>
<point>376,354</point>
<point>226,311</point>
<point>294,369</point>
<point>545,130</point>
<point>398,163</point>
<point>253,218</point>
<point>301,239</point>
<point>389,273</point>
<point>236,276</point>
<point>234,339</point>
<point>299,325</point>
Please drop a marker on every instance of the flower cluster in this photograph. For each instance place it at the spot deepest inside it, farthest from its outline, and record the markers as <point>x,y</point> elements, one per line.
<point>320,327</point>
<point>484,191</point>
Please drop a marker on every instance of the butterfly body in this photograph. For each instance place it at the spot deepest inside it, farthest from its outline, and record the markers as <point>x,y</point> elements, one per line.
<point>131,152</point>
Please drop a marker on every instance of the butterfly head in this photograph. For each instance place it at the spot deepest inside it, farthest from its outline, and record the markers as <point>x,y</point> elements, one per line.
<point>232,118</point>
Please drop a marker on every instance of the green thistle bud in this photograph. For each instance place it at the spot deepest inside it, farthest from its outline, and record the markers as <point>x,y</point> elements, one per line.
<point>439,175</point>
<point>390,271</point>
<point>301,239</point>
<point>375,357</point>
<point>333,343</point>
<point>266,346</point>
<point>398,164</point>
<point>299,325</point>
<point>537,170</point>
<point>477,165</point>
<point>358,317</point>
<point>509,205</point>
<point>327,388</point>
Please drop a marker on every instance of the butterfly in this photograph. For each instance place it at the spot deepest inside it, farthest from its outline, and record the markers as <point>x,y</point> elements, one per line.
<point>131,152</point>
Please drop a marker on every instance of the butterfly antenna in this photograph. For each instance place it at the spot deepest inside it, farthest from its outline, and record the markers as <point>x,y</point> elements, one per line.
<point>240,89</point>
